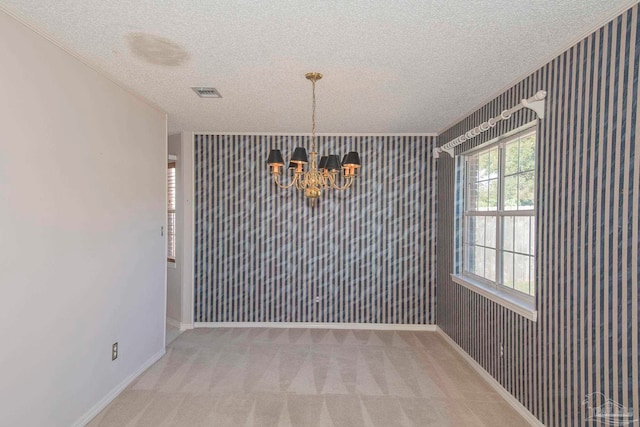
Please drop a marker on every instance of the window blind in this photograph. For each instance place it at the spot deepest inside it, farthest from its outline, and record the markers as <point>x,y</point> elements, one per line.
<point>171,212</point>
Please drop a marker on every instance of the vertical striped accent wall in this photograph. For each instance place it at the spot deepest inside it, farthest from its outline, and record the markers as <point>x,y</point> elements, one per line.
<point>586,337</point>
<point>262,254</point>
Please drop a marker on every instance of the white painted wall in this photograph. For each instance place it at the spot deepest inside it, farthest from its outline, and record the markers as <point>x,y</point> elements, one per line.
<point>174,270</point>
<point>82,200</point>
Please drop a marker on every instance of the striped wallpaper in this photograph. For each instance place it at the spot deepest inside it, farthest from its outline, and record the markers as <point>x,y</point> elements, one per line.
<point>586,337</point>
<point>364,255</point>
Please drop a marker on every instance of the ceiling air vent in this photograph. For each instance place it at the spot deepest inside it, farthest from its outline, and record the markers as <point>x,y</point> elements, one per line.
<point>207,92</point>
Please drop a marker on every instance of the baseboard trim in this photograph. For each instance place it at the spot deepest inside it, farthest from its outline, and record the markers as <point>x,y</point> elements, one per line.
<point>314,325</point>
<point>95,410</point>
<point>176,324</point>
<point>511,400</point>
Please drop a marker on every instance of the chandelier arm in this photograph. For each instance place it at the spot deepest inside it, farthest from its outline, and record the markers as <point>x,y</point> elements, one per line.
<point>301,182</point>
<point>326,182</point>
<point>285,186</point>
<point>335,186</point>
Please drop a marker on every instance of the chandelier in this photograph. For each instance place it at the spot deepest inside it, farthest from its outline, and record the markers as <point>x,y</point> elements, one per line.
<point>319,176</point>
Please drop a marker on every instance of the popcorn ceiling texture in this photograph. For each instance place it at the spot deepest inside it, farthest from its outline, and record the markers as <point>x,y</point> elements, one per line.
<point>389,66</point>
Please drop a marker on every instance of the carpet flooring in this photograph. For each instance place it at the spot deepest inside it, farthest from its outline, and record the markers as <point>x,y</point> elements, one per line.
<point>171,334</point>
<point>308,377</point>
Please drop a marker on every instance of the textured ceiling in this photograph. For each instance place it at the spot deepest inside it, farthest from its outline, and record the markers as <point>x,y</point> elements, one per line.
<point>389,66</point>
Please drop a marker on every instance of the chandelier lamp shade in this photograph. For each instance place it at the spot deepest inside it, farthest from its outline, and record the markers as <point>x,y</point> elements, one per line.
<point>308,174</point>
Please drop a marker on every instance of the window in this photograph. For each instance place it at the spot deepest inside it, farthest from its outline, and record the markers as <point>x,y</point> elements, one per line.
<point>171,212</point>
<point>499,217</point>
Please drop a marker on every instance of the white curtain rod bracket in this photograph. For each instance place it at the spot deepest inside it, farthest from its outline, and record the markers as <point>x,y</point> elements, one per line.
<point>535,103</point>
<point>538,105</point>
<point>438,150</point>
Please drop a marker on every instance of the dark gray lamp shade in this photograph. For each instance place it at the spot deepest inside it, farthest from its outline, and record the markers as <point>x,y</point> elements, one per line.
<point>323,163</point>
<point>344,158</point>
<point>333,162</point>
<point>275,158</point>
<point>300,156</point>
<point>352,160</point>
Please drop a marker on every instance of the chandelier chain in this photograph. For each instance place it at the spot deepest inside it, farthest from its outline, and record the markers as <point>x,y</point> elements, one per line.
<point>313,116</point>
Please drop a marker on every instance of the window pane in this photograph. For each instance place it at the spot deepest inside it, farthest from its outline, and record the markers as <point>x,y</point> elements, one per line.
<point>472,168</point>
<point>469,229</point>
<point>171,235</point>
<point>479,240</point>
<point>492,202</point>
<point>475,230</point>
<point>471,180</point>
<point>532,275</point>
<point>490,232</point>
<point>171,211</point>
<point>511,193</point>
<point>527,153</point>
<point>507,269</point>
<point>472,196</point>
<point>479,261</point>
<point>493,163</point>
<point>521,235</point>
<point>533,235</point>
<point>483,196</point>
<point>171,188</point>
<point>521,273</point>
<point>525,190</point>
<point>511,158</point>
<point>469,258</point>
<point>507,233</point>
<point>490,264</point>
<point>484,165</point>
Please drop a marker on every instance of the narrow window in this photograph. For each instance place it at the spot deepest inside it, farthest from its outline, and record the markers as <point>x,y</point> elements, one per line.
<point>171,212</point>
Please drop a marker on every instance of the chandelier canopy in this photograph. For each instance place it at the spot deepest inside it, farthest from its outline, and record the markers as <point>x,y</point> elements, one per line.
<point>319,176</point>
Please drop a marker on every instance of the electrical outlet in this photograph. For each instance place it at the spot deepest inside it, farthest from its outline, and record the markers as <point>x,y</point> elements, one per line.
<point>114,351</point>
<point>501,350</point>
<point>317,299</point>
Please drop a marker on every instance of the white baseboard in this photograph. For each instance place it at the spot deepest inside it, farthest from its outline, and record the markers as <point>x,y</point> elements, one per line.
<point>314,325</point>
<point>511,400</point>
<point>186,326</point>
<point>179,325</point>
<point>95,410</point>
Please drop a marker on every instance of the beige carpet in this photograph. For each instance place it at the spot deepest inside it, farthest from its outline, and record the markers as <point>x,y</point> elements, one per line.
<point>308,377</point>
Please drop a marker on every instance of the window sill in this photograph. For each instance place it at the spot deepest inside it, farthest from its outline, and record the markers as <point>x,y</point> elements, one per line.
<point>505,299</point>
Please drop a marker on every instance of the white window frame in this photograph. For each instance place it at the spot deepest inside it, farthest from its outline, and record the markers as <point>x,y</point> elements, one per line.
<point>517,301</point>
